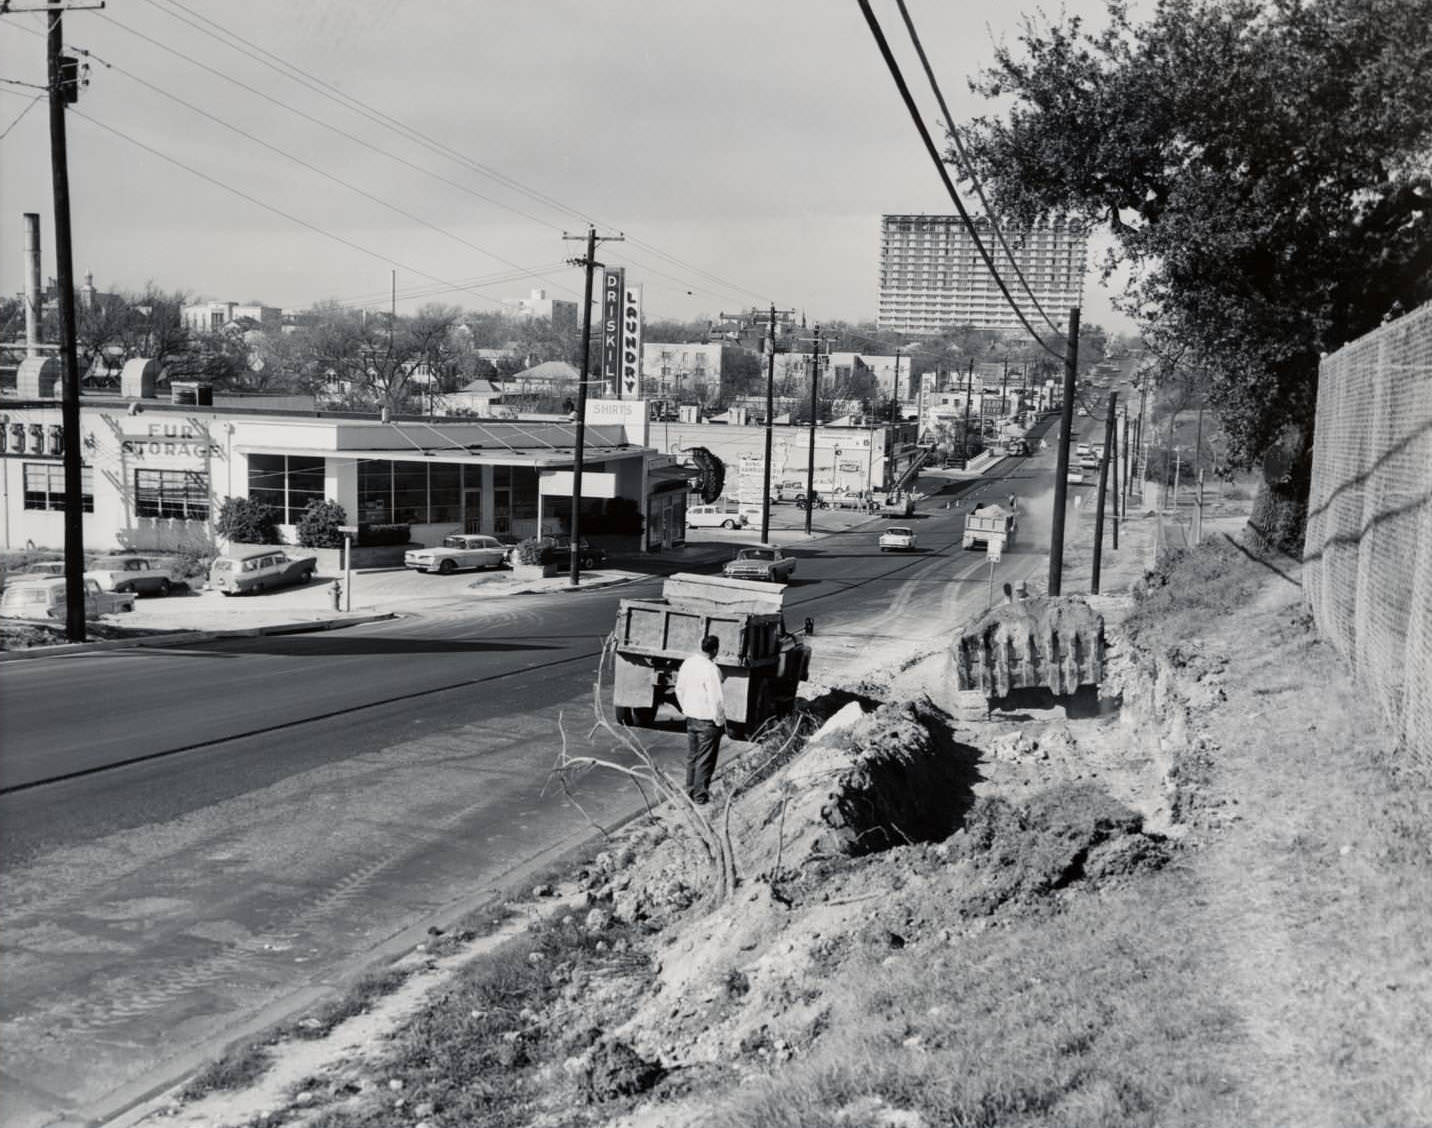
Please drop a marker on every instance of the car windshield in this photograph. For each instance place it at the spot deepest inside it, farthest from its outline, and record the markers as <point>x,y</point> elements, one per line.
<point>757,554</point>
<point>454,542</point>
<point>223,564</point>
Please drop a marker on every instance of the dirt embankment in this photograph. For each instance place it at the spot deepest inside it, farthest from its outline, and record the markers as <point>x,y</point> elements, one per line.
<point>1206,905</point>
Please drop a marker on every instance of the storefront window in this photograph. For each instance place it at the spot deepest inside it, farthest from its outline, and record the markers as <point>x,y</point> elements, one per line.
<point>172,494</point>
<point>375,493</point>
<point>45,486</point>
<point>287,483</point>
<point>444,491</point>
<point>410,492</point>
<point>524,493</point>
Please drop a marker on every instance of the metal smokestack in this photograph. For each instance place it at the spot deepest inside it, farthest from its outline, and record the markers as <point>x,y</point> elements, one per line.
<point>32,284</point>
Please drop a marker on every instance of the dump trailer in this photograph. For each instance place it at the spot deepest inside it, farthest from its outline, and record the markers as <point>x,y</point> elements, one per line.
<point>1050,644</point>
<point>989,521</point>
<point>761,662</point>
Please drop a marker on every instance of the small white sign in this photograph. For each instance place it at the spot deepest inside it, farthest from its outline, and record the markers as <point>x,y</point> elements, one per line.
<point>994,549</point>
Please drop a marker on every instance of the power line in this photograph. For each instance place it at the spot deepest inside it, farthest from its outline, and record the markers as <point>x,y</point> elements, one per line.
<point>278,211</point>
<point>378,116</point>
<point>924,132</point>
<point>329,126</point>
<point>965,162</point>
<point>414,292</point>
<point>333,93</point>
<point>310,166</point>
<point>21,115</point>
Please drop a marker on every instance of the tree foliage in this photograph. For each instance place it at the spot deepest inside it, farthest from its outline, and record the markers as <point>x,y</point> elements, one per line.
<point>1263,165</point>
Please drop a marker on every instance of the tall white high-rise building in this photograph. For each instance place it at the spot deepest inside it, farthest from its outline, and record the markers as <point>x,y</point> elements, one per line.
<point>932,276</point>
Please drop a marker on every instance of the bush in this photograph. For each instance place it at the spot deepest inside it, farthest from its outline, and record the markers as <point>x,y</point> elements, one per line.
<point>535,550</point>
<point>247,521</point>
<point>318,524</point>
<point>372,536</point>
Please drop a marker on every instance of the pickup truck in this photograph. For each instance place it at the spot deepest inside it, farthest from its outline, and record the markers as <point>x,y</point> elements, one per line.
<point>138,574</point>
<point>762,562</point>
<point>989,522</point>
<point>257,569</point>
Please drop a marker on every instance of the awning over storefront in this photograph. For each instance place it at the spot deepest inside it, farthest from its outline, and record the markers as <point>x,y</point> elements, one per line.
<point>661,479</point>
<point>553,459</point>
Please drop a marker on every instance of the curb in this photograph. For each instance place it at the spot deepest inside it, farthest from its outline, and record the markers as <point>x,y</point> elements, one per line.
<point>185,637</point>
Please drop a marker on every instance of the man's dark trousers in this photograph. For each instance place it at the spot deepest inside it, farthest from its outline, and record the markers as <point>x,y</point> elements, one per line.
<point>703,740</point>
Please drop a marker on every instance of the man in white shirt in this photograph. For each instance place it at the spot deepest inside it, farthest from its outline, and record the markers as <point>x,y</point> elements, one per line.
<point>698,693</point>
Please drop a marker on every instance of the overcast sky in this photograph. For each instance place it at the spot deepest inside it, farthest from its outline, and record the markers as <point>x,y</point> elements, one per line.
<point>757,142</point>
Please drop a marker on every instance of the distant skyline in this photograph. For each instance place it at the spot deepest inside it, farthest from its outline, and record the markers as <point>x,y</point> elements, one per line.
<point>748,156</point>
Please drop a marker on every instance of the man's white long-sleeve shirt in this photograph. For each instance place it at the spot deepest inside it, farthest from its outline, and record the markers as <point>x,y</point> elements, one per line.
<point>698,690</point>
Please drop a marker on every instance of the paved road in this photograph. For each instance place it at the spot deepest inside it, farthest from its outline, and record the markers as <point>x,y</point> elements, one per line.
<point>230,823</point>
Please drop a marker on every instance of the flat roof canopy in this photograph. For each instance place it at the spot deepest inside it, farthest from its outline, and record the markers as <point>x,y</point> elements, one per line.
<point>546,459</point>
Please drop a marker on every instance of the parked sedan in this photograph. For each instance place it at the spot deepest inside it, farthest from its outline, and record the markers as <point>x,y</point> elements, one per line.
<point>463,550</point>
<point>897,538</point>
<point>138,574</point>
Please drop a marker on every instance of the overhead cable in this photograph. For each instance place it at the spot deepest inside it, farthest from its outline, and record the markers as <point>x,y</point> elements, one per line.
<point>965,163</point>
<point>934,153</point>
<point>277,211</point>
<point>326,89</point>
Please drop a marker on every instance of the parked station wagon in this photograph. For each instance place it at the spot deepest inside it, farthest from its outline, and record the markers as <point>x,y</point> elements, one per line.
<point>258,569</point>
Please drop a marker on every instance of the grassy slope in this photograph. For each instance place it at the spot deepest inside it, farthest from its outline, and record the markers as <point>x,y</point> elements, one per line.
<point>1275,972</point>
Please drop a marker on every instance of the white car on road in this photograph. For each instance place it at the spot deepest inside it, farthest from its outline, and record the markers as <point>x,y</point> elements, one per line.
<point>463,550</point>
<point>897,538</point>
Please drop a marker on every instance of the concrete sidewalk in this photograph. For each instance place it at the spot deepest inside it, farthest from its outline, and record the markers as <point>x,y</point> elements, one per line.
<point>390,592</point>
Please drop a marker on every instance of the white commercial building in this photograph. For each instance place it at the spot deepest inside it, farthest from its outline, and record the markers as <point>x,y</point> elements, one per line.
<point>156,472</point>
<point>932,276</point>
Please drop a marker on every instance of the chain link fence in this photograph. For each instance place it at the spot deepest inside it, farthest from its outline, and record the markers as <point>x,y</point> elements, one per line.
<point>1367,573</point>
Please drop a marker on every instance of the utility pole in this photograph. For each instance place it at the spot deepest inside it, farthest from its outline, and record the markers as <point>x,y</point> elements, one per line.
<point>589,262</point>
<point>1103,487</point>
<point>1061,466</point>
<point>814,404</point>
<point>1198,478</point>
<point>64,89</point>
<point>1112,453</point>
<point>965,429</point>
<point>895,388</point>
<point>754,317</point>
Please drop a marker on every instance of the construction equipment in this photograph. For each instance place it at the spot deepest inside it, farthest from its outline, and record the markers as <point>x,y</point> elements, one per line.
<point>1055,645</point>
<point>989,522</point>
<point>762,663</point>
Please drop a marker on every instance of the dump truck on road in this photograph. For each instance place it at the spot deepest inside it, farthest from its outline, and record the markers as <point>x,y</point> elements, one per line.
<point>761,662</point>
<point>987,522</point>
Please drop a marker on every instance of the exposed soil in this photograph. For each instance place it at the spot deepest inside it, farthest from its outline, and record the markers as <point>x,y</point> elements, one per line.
<point>1205,904</point>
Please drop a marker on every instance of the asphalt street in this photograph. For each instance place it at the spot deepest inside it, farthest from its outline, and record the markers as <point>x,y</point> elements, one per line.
<point>190,835</point>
